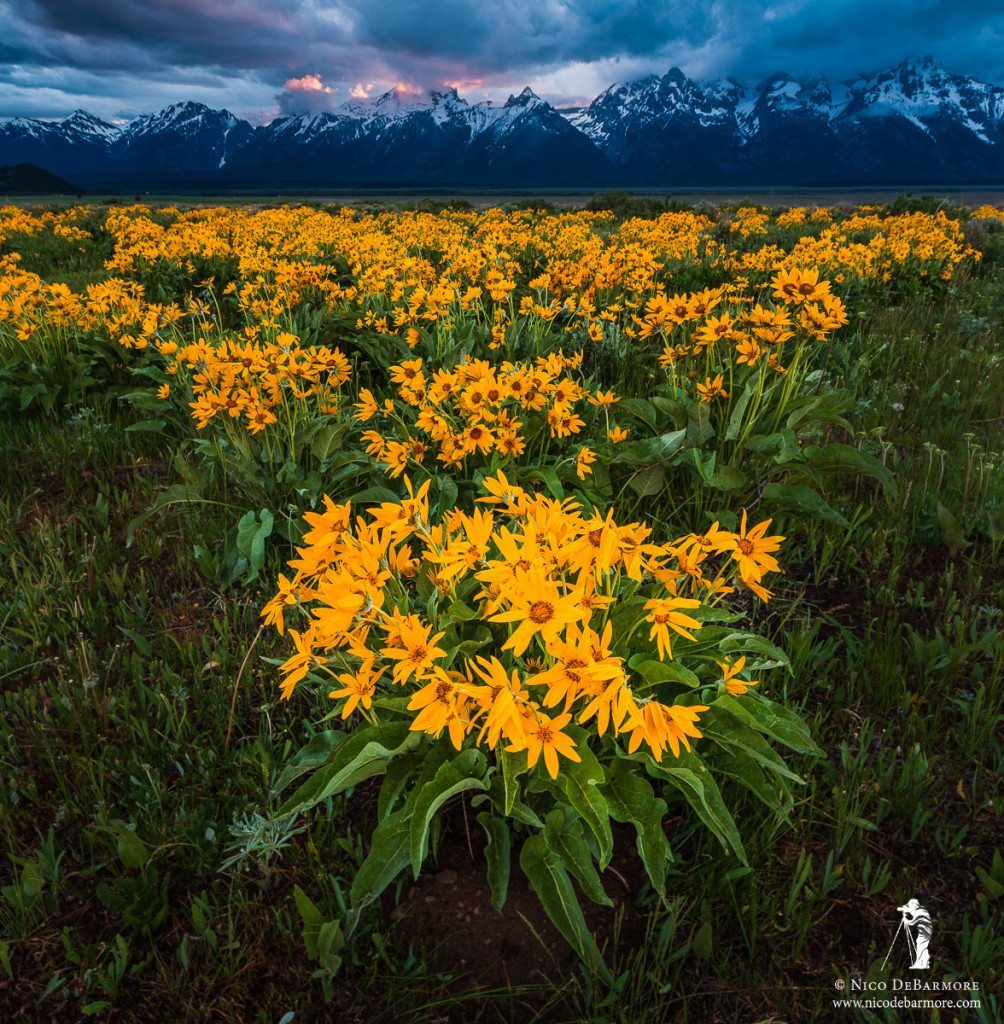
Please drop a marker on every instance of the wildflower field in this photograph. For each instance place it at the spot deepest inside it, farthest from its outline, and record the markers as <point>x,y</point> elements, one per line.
<point>516,615</point>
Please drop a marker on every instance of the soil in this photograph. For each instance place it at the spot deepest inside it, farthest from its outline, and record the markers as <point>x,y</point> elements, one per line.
<point>447,914</point>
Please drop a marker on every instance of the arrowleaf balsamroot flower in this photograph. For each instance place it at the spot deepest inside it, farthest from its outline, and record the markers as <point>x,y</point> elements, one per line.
<point>660,727</point>
<point>665,615</point>
<point>298,665</point>
<point>415,651</point>
<point>529,586</point>
<point>543,735</point>
<point>540,609</point>
<point>357,687</point>
<point>754,552</point>
<point>730,677</point>
<point>519,626</point>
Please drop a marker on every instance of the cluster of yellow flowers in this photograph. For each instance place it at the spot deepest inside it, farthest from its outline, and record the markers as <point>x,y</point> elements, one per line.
<point>400,272</point>
<point>476,409</point>
<point>699,324</point>
<point>17,220</point>
<point>544,581</point>
<point>248,382</point>
<point>987,212</point>
<point>872,245</point>
<point>796,216</point>
<point>111,309</point>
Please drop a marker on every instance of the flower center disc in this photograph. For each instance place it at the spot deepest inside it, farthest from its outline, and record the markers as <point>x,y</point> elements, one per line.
<point>541,611</point>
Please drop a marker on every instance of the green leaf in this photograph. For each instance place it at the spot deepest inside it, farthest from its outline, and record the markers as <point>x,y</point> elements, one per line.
<point>699,428</point>
<point>30,392</point>
<point>364,754</point>
<point>751,643</point>
<point>702,946</point>
<point>801,500</point>
<point>648,481</point>
<point>32,881</point>
<point>563,835</point>
<point>546,476</point>
<point>738,412</point>
<point>783,445</point>
<point>690,776</point>
<point>396,778</point>
<point>675,412</point>
<point>748,773</point>
<point>631,798</point>
<point>447,488</point>
<point>141,642</point>
<point>131,850</point>
<point>992,880</point>
<point>464,772</point>
<point>146,426</point>
<point>173,495</point>
<point>370,495</point>
<point>655,672</point>
<point>513,765</point>
<point>825,408</point>
<point>640,410</point>
<point>517,810</point>
<point>547,874</point>
<point>461,612</point>
<point>772,719</point>
<point>318,751</point>
<point>251,537</point>
<point>497,855</point>
<point>387,858</point>
<point>729,732</point>
<point>728,478</point>
<point>581,781</point>
<point>845,460</point>
<point>312,919</point>
<point>650,450</point>
<point>327,439</point>
<point>703,462</point>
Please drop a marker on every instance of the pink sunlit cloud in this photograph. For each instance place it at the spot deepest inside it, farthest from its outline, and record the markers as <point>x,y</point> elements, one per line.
<point>308,83</point>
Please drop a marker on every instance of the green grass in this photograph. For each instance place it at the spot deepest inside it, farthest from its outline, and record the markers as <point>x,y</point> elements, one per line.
<point>140,742</point>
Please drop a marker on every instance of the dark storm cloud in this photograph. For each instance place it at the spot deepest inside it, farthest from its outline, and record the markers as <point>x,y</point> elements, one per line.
<point>119,57</point>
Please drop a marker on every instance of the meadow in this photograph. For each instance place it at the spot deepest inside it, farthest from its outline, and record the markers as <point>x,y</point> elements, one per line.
<point>534,614</point>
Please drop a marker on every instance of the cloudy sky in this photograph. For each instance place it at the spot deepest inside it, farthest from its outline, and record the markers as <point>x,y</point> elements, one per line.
<point>260,58</point>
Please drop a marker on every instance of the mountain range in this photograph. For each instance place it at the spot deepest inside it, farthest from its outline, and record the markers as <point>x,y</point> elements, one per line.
<point>913,123</point>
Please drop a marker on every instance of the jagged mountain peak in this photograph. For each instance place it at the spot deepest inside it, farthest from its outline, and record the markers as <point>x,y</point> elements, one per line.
<point>395,103</point>
<point>781,92</point>
<point>914,119</point>
<point>527,98</point>
<point>87,123</point>
<point>923,92</point>
<point>187,116</point>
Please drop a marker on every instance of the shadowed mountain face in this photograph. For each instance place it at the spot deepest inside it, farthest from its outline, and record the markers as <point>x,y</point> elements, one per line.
<point>912,123</point>
<point>27,179</point>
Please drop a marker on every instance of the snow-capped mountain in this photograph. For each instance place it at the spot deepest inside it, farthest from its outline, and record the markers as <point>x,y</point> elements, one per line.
<point>430,138</point>
<point>81,142</point>
<point>184,138</point>
<point>919,115</point>
<point>669,126</point>
<point>925,94</point>
<point>914,123</point>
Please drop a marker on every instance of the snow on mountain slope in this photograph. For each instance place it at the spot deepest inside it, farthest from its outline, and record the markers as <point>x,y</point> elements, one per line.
<point>184,138</point>
<point>913,120</point>
<point>87,126</point>
<point>922,92</point>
